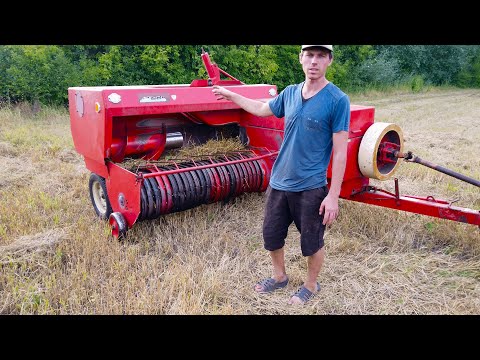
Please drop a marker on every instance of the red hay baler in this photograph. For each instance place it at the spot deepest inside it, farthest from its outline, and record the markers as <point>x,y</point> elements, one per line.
<point>111,125</point>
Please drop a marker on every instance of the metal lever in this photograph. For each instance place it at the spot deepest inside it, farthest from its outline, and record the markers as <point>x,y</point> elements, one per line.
<point>214,71</point>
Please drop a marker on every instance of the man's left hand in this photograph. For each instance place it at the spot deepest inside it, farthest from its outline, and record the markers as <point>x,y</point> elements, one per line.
<point>329,207</point>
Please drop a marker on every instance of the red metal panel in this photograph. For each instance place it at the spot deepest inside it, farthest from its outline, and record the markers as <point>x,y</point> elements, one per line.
<point>96,167</point>
<point>361,118</point>
<point>88,128</point>
<point>220,117</point>
<point>268,122</point>
<point>141,100</point>
<point>351,170</point>
<point>124,185</point>
<point>265,138</point>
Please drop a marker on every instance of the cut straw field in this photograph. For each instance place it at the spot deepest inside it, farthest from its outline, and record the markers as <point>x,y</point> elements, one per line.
<point>56,257</point>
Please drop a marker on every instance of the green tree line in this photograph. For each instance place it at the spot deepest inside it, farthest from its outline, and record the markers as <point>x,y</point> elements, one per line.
<point>43,73</point>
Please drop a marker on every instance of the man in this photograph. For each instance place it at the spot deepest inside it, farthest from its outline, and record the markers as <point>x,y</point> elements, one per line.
<point>317,118</point>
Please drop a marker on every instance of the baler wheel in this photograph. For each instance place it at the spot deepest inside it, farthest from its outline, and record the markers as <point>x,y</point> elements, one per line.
<point>99,196</point>
<point>372,161</point>
<point>118,225</point>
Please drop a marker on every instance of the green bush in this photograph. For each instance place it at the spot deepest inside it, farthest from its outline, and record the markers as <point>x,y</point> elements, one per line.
<point>38,73</point>
<point>43,73</point>
<point>417,83</point>
<point>470,74</point>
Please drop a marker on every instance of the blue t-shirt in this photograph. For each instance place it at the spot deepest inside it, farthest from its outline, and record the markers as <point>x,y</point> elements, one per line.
<point>306,149</point>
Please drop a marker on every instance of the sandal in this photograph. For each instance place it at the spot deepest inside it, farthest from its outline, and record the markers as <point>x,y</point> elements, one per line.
<point>304,294</point>
<point>270,285</point>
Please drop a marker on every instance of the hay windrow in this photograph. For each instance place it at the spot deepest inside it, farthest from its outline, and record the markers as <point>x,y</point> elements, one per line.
<point>20,249</point>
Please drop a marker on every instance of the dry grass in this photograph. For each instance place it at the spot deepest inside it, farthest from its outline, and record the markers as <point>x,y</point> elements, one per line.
<point>57,258</point>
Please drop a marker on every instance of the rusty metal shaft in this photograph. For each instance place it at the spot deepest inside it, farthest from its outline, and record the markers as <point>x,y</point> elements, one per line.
<point>413,158</point>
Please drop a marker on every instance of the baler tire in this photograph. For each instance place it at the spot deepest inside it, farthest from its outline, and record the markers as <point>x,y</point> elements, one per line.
<point>99,196</point>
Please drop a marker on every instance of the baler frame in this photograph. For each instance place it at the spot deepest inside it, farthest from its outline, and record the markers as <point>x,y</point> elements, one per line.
<point>112,123</point>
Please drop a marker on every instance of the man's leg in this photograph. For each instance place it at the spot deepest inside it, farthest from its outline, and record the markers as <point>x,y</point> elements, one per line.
<point>315,264</point>
<point>309,223</point>
<point>275,228</point>
<point>278,263</point>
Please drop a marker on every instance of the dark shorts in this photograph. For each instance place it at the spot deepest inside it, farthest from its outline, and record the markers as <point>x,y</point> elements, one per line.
<point>284,207</point>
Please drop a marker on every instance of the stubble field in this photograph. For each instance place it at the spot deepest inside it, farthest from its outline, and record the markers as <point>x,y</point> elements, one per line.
<point>56,257</point>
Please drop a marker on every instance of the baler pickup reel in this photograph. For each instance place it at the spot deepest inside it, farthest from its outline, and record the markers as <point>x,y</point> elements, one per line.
<point>126,133</point>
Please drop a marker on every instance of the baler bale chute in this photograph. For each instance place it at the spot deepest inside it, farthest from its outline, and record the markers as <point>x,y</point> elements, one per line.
<point>115,125</point>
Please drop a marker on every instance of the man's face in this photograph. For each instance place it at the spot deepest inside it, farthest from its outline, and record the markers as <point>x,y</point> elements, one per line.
<point>315,62</point>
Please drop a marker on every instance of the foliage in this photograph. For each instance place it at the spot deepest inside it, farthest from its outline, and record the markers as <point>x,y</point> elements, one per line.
<point>377,71</point>
<point>417,83</point>
<point>346,59</point>
<point>43,73</point>
<point>36,73</point>
<point>469,76</point>
<point>437,64</point>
